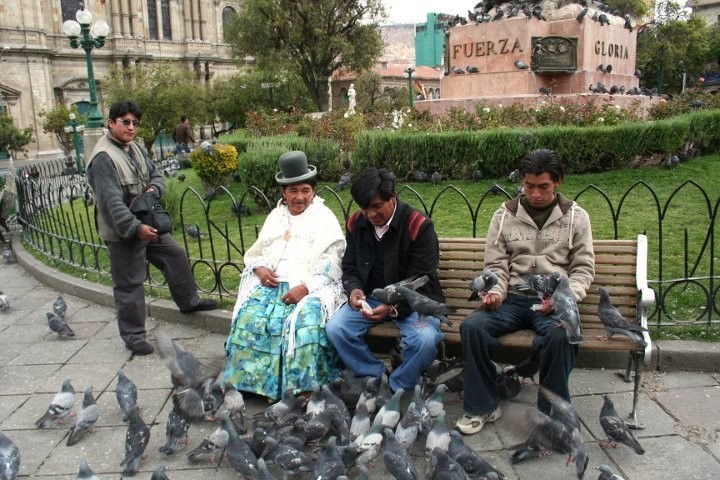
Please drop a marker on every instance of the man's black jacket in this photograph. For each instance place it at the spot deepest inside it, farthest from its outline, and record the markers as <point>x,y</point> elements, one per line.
<point>412,248</point>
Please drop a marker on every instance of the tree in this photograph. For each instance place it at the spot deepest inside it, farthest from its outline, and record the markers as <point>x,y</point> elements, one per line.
<point>311,38</point>
<point>54,122</point>
<point>11,137</point>
<point>673,46</point>
<point>369,88</point>
<point>163,91</point>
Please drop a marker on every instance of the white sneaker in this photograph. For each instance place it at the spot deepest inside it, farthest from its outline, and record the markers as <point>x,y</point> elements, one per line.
<point>470,424</point>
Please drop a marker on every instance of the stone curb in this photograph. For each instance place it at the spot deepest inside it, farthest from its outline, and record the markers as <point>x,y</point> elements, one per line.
<point>668,355</point>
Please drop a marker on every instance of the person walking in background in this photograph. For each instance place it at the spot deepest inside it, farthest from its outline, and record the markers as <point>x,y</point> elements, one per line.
<point>183,135</point>
<point>291,285</point>
<point>539,232</point>
<point>120,169</point>
<point>387,241</point>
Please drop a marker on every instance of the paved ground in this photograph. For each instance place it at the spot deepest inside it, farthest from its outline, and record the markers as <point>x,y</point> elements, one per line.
<point>679,408</point>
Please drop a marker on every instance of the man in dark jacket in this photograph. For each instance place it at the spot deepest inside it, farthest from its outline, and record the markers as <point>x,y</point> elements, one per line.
<point>183,135</point>
<point>387,241</point>
<point>120,169</point>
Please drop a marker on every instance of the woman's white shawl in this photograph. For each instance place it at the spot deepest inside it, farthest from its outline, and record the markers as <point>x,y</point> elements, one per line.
<point>315,245</point>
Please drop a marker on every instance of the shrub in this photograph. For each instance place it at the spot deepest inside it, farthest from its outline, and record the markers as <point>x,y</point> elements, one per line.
<point>257,167</point>
<point>214,169</point>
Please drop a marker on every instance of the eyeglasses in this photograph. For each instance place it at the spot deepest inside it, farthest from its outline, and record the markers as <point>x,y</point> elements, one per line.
<point>126,122</point>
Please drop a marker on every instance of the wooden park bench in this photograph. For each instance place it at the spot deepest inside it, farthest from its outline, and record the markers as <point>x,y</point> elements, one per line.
<point>620,265</point>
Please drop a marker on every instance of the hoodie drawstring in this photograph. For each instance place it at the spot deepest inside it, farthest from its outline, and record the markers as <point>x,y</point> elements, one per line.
<point>570,231</point>
<point>502,220</point>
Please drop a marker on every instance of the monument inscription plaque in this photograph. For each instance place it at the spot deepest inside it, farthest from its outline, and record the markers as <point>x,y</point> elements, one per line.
<point>554,54</point>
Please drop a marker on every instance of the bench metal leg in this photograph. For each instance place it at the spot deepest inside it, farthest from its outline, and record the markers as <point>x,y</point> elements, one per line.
<point>636,358</point>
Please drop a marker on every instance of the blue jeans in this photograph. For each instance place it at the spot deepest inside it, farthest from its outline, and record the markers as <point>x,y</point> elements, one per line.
<point>346,331</point>
<point>478,336</point>
<point>181,147</point>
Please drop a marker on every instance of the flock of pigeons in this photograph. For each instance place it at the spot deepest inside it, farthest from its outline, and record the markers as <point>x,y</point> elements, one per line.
<point>319,436</point>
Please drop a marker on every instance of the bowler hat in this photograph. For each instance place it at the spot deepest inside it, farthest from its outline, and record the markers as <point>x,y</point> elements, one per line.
<point>294,168</point>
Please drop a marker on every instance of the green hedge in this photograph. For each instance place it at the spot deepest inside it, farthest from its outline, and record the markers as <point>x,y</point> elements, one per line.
<point>495,152</point>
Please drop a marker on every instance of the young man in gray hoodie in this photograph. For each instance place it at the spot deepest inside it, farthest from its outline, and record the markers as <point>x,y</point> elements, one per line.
<point>538,232</point>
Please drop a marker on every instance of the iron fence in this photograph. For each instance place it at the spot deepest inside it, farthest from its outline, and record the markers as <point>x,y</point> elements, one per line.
<point>56,212</point>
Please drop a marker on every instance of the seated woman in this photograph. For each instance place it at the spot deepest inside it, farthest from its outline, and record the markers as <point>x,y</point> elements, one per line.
<point>290,287</point>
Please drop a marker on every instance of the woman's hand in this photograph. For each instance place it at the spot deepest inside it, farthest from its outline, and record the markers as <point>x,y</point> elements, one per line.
<point>295,294</point>
<point>267,277</point>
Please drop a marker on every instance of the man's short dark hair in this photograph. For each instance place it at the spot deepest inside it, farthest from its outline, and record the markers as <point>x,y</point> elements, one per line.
<point>372,181</point>
<point>540,161</point>
<point>124,107</point>
<point>183,118</point>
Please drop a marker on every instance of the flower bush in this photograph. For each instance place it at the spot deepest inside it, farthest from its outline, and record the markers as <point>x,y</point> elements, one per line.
<point>214,169</point>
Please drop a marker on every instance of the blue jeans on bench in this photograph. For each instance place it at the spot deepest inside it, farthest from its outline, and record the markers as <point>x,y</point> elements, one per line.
<point>346,331</point>
<point>478,336</point>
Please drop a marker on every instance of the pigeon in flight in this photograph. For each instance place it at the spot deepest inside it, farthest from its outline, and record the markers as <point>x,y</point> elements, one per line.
<point>482,284</point>
<point>58,325</point>
<point>616,429</point>
<point>614,321</point>
<point>60,406</point>
<point>86,418</point>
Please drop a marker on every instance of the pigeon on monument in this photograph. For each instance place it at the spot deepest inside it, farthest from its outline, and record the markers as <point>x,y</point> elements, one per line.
<point>616,429</point>
<point>136,440</point>
<point>614,321</point>
<point>60,406</point>
<point>582,14</point>
<point>126,394</point>
<point>58,325</point>
<point>566,311</point>
<point>457,70</point>
<point>628,22</point>
<point>521,65</point>
<point>472,69</point>
<point>547,91</point>
<point>9,458</point>
<point>482,284</point>
<point>426,306</point>
<point>86,418</point>
<point>538,13</point>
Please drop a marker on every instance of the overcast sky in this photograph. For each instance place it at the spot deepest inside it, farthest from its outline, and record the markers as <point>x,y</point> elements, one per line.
<point>414,11</point>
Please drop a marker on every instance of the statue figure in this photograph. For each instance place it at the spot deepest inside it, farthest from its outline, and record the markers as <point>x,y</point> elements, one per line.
<point>351,101</point>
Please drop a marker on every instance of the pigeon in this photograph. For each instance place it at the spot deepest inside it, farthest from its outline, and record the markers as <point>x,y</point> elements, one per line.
<point>550,434</point>
<point>60,406</point>
<point>332,399</point>
<point>421,406</point>
<point>507,386</point>
<point>561,409</point>
<point>566,311</point>
<point>212,446</point>
<point>185,369</point>
<point>696,103</point>
<point>8,255</point>
<point>344,182</point>
<point>126,394</point>
<point>361,420</point>
<point>389,414</point>
<point>470,460</point>
<point>538,13</point>
<point>159,473</point>
<point>58,325</point>
<point>582,14</point>
<point>606,473</point>
<point>60,307</point>
<point>482,284</point>
<point>477,175</point>
<point>436,178</point>
<point>176,430</point>
<point>521,65</point>
<point>9,458</point>
<point>628,22</point>
<point>434,403</point>
<point>85,472</point>
<point>389,294</point>
<point>369,445</point>
<point>439,435</point>
<point>86,418</point>
<point>616,429</point>
<point>440,466</point>
<point>281,407</point>
<point>349,387</point>
<point>408,428</point>
<point>457,70</point>
<point>208,148</point>
<point>189,404</point>
<point>671,161</point>
<point>181,177</point>
<point>603,19</point>
<point>319,424</point>
<point>239,454</point>
<point>263,472</point>
<point>472,69</point>
<point>290,460</point>
<point>425,306</point>
<point>329,464</point>
<point>240,209</point>
<point>4,302</point>
<point>236,177</point>
<point>234,403</point>
<point>614,321</point>
<point>370,395</point>
<point>514,176</point>
<point>605,68</point>
<point>397,459</point>
<point>547,91</point>
<point>193,231</point>
<point>136,440</point>
<point>543,285</point>
<point>527,368</point>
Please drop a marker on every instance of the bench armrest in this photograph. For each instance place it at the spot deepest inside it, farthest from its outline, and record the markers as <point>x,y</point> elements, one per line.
<point>646,295</point>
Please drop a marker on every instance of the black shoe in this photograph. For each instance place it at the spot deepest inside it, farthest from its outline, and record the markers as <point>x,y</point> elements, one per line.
<point>141,348</point>
<point>201,306</point>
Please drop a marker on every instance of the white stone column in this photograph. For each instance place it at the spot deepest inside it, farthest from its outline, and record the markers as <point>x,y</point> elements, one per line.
<point>115,14</point>
<point>196,19</point>
<point>187,18</point>
<point>137,28</point>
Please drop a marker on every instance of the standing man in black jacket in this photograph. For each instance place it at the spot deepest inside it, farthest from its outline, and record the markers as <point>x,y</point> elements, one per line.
<point>387,241</point>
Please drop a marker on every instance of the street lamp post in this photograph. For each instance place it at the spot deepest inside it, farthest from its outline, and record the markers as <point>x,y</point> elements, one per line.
<point>81,34</point>
<point>408,73</point>
<point>76,127</point>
